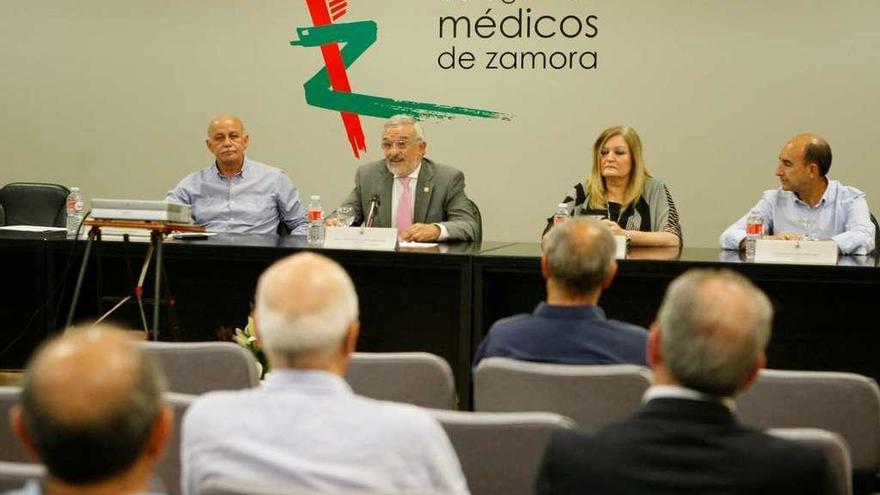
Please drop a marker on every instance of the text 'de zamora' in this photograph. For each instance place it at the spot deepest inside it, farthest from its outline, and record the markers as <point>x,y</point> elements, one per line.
<point>526,60</point>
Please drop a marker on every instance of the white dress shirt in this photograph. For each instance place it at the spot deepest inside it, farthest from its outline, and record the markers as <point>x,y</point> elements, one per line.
<point>306,429</point>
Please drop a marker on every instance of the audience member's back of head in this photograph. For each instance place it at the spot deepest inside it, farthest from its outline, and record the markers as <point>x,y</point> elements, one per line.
<point>90,405</point>
<point>715,327</point>
<point>580,254</point>
<point>305,308</point>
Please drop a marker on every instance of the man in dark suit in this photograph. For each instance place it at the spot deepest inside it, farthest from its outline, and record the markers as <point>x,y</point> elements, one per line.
<point>570,328</point>
<point>423,200</point>
<point>707,345</point>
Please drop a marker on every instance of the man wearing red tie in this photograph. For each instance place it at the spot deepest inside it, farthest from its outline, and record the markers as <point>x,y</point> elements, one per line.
<point>423,200</point>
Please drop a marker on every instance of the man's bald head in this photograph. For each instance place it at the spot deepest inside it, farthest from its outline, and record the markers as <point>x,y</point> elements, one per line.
<point>714,328</point>
<point>305,306</point>
<point>815,149</point>
<point>580,255</point>
<point>225,119</point>
<point>89,402</point>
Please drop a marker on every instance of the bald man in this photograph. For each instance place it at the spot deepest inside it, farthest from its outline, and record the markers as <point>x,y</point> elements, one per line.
<point>92,412</point>
<point>304,428</point>
<point>707,345</point>
<point>236,194</point>
<point>808,205</point>
<point>570,328</point>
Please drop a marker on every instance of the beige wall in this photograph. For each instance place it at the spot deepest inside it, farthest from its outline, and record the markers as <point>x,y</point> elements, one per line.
<point>114,96</point>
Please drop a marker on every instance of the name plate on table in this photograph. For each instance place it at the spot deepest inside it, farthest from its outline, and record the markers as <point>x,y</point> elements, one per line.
<point>369,239</point>
<point>620,253</point>
<point>796,252</point>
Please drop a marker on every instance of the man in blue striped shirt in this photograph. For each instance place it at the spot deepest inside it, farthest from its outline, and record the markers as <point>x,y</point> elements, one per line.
<point>809,204</point>
<point>237,194</point>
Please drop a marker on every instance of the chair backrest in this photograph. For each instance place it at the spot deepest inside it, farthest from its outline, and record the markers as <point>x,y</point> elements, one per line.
<point>478,237</point>
<point>844,403</point>
<point>418,378</point>
<point>199,367</point>
<point>500,452</point>
<point>10,448</point>
<point>33,203</point>
<point>14,475</point>
<point>876,233</point>
<point>592,395</point>
<point>223,486</point>
<point>168,469</point>
<point>832,446</point>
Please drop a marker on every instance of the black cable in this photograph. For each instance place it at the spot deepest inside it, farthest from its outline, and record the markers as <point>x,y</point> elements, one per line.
<point>61,285</point>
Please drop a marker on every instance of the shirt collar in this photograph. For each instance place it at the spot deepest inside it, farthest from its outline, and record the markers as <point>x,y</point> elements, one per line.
<point>307,381</point>
<point>241,173</point>
<point>679,392</point>
<point>557,311</point>
<point>829,196</point>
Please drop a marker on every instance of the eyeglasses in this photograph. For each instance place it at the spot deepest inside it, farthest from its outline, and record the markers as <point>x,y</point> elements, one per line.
<point>401,145</point>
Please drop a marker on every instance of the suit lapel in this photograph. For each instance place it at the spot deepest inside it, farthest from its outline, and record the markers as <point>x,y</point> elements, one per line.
<point>423,191</point>
<point>386,181</point>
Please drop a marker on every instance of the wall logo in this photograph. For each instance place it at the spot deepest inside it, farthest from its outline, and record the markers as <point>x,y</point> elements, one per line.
<point>330,88</point>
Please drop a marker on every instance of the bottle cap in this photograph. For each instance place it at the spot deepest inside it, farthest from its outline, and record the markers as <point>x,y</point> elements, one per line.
<point>74,188</point>
<point>315,197</point>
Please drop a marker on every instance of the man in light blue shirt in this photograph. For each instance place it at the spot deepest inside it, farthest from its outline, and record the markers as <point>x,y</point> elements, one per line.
<point>305,429</point>
<point>237,194</point>
<point>808,204</point>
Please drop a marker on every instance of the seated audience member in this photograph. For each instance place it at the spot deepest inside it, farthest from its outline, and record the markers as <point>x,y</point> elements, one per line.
<point>577,264</point>
<point>92,412</point>
<point>622,191</point>
<point>435,206</point>
<point>808,204</point>
<point>237,194</point>
<point>305,428</point>
<point>707,346</point>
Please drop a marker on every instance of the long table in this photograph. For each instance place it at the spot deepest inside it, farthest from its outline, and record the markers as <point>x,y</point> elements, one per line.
<point>440,300</point>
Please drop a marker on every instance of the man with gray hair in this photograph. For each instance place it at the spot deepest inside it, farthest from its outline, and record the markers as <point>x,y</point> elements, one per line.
<point>570,328</point>
<point>423,200</point>
<point>304,428</point>
<point>706,346</point>
<point>92,412</point>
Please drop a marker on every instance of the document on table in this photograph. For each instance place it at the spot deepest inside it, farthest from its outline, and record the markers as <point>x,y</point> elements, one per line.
<point>32,228</point>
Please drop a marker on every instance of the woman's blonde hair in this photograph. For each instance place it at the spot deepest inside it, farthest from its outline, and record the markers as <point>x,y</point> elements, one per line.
<point>637,177</point>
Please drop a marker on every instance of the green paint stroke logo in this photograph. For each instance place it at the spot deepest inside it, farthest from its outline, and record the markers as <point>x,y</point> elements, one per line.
<point>330,88</point>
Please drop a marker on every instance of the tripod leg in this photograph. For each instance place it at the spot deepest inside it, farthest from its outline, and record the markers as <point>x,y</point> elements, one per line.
<point>79,279</point>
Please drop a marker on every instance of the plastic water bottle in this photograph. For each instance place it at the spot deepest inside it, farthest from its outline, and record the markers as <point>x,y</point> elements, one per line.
<point>561,215</point>
<point>75,211</point>
<point>316,222</point>
<point>754,231</point>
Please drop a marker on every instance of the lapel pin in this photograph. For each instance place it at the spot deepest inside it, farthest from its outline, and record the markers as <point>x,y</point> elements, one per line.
<point>426,189</point>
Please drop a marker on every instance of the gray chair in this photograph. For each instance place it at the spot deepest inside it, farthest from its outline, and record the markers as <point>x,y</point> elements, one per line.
<point>222,486</point>
<point>418,378</point>
<point>10,448</point>
<point>500,452</point>
<point>832,446</point>
<point>33,203</point>
<point>14,475</point>
<point>592,395</point>
<point>199,367</point>
<point>168,469</point>
<point>843,403</point>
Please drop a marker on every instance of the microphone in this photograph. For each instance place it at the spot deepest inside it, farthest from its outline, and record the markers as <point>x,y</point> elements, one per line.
<point>374,207</point>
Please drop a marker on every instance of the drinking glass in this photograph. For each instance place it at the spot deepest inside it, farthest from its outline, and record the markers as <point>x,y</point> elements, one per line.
<point>345,216</point>
<point>807,221</point>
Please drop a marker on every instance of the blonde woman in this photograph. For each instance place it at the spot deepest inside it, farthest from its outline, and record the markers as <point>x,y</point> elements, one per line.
<point>620,189</point>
